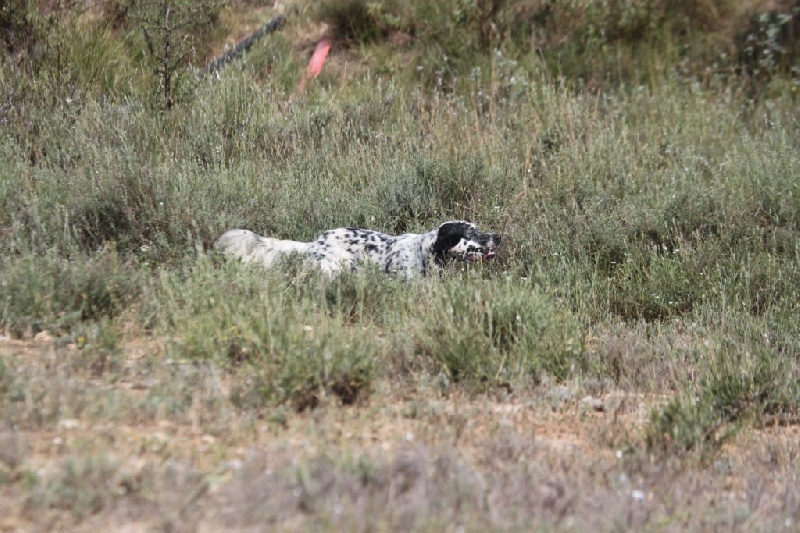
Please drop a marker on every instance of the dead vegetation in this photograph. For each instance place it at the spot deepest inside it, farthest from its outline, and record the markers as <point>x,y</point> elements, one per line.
<point>159,445</point>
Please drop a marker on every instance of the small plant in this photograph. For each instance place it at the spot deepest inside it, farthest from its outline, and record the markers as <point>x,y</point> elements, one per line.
<point>281,350</point>
<point>688,428</point>
<point>49,293</point>
<point>82,486</point>
<point>98,346</point>
<point>495,333</point>
<point>168,27</point>
<point>739,387</point>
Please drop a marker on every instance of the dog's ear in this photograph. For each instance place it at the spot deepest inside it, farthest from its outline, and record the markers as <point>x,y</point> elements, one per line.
<point>449,234</point>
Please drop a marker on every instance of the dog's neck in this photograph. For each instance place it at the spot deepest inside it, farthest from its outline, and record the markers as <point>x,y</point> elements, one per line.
<point>431,255</point>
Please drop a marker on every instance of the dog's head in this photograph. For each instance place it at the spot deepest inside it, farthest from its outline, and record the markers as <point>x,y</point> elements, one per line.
<point>462,240</point>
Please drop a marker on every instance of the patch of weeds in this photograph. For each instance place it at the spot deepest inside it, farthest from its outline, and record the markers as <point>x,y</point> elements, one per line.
<point>365,296</point>
<point>14,449</point>
<point>54,293</point>
<point>37,397</point>
<point>13,392</point>
<point>182,491</point>
<point>653,288</point>
<point>497,332</point>
<point>306,364</point>
<point>688,427</point>
<point>739,388</point>
<point>98,347</point>
<point>6,379</point>
<point>426,488</point>
<point>595,225</point>
<point>357,21</point>
<point>124,211</point>
<point>745,385</point>
<point>282,341</point>
<point>766,282</point>
<point>606,246</point>
<point>645,357</point>
<point>694,215</point>
<point>403,200</point>
<point>455,185</point>
<point>82,486</point>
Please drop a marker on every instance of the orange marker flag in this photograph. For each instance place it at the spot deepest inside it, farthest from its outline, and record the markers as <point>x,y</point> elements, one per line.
<point>315,65</point>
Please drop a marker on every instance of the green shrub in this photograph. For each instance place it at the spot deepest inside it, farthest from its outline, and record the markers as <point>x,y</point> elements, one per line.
<point>355,21</point>
<point>82,486</point>
<point>303,363</point>
<point>98,347</point>
<point>288,346</point>
<point>54,293</point>
<point>744,380</point>
<point>688,428</point>
<point>751,382</point>
<point>498,331</point>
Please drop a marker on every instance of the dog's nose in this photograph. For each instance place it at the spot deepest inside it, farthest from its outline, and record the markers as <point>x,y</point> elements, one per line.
<point>496,239</point>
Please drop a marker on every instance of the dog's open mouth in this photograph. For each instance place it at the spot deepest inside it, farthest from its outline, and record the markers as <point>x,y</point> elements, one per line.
<point>480,256</point>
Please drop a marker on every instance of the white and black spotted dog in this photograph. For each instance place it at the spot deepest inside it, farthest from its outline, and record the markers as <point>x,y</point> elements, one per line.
<point>408,255</point>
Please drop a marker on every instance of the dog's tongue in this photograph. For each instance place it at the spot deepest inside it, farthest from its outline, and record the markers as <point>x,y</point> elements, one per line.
<point>483,257</point>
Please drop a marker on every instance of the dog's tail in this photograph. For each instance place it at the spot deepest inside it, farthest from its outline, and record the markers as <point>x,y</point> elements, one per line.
<point>251,247</point>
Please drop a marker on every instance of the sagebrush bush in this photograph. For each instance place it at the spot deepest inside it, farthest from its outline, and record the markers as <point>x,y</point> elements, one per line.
<point>743,376</point>
<point>99,347</point>
<point>495,331</point>
<point>84,485</point>
<point>51,293</point>
<point>287,341</point>
<point>688,428</point>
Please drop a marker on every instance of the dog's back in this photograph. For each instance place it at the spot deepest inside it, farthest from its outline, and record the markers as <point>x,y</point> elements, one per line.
<point>349,247</point>
<point>251,247</point>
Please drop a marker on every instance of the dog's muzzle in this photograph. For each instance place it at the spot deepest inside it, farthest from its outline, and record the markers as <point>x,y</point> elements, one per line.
<point>486,252</point>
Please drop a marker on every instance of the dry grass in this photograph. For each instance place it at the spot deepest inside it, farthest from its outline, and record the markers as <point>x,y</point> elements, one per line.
<point>161,446</point>
<point>629,361</point>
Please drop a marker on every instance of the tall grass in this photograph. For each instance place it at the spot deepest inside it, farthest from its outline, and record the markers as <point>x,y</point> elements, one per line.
<point>500,332</point>
<point>639,159</point>
<point>661,205</point>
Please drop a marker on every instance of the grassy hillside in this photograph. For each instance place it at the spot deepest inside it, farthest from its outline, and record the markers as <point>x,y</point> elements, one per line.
<point>633,348</point>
